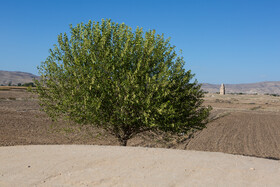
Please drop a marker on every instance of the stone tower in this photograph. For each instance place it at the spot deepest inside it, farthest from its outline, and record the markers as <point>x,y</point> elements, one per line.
<point>222,90</point>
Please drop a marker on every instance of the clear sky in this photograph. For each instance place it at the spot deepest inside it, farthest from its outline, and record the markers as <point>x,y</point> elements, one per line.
<point>229,41</point>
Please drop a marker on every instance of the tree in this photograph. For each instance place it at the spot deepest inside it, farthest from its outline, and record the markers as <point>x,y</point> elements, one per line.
<point>29,84</point>
<point>126,82</point>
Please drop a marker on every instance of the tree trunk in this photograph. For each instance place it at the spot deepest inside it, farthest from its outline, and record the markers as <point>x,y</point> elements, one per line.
<point>123,142</point>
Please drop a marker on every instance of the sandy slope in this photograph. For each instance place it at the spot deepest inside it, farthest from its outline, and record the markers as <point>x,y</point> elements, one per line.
<point>85,165</point>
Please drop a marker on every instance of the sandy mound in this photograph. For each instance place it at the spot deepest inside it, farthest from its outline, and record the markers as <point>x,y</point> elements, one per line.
<point>85,165</point>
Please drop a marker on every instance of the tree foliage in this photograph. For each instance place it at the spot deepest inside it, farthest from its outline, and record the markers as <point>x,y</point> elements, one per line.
<point>124,81</point>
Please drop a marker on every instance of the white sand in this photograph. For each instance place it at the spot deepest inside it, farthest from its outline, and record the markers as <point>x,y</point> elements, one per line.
<point>85,165</point>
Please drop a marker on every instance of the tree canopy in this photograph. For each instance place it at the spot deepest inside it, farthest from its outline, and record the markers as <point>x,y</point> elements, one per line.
<point>127,82</point>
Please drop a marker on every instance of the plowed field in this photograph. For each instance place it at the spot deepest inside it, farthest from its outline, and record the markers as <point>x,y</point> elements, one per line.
<point>240,124</point>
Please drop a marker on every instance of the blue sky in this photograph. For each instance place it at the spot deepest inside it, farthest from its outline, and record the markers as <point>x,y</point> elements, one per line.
<point>229,41</point>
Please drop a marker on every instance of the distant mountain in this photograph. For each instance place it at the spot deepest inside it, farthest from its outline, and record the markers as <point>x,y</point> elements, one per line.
<point>272,87</point>
<point>15,77</point>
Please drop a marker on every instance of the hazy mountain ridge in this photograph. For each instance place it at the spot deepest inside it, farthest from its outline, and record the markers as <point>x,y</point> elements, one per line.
<point>15,77</point>
<point>269,87</point>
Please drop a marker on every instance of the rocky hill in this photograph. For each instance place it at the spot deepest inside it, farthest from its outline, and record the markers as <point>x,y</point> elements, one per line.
<point>15,77</point>
<point>272,87</point>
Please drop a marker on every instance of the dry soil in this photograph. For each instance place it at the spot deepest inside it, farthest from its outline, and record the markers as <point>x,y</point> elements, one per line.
<point>240,124</point>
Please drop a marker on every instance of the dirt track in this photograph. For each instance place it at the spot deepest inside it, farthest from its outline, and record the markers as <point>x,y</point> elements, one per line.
<point>242,124</point>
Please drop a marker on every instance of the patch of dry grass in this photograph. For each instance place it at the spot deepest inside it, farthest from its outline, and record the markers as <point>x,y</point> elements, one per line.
<point>13,87</point>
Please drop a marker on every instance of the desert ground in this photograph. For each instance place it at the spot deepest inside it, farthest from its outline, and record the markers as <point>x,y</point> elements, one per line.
<point>247,125</point>
<point>239,124</point>
<point>89,165</point>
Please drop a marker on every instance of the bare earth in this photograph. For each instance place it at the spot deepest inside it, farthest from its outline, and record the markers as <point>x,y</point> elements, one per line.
<point>240,124</point>
<point>248,125</point>
<point>87,165</point>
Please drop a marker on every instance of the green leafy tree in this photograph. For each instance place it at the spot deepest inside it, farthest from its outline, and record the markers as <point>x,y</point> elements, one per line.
<point>29,84</point>
<point>126,82</point>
